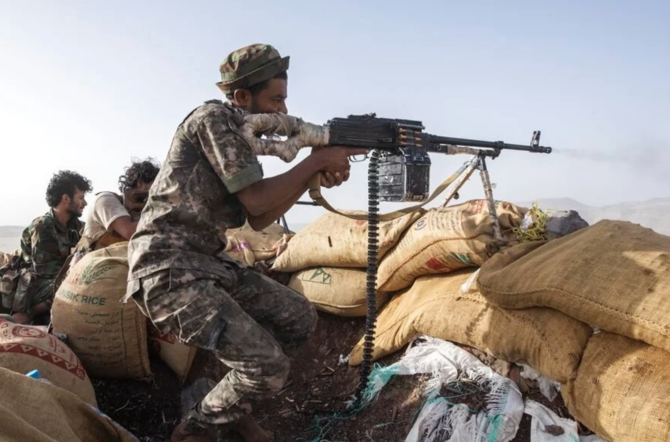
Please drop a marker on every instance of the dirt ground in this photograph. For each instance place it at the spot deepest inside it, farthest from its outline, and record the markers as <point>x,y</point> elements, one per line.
<point>311,407</point>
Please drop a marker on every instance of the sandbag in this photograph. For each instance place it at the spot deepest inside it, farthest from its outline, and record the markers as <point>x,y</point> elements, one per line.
<point>337,241</point>
<point>613,275</point>
<point>622,390</point>
<point>24,348</point>
<point>5,258</point>
<point>176,355</point>
<point>249,246</point>
<point>444,240</point>
<point>547,340</point>
<point>334,290</point>
<point>35,411</point>
<point>109,337</point>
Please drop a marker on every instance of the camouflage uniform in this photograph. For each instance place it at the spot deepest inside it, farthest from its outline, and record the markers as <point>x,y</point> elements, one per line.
<point>45,247</point>
<point>183,281</point>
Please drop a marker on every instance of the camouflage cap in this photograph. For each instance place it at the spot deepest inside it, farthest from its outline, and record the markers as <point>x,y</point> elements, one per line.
<point>250,65</point>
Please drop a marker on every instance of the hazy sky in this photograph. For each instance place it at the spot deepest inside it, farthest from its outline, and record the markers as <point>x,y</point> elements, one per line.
<point>86,85</point>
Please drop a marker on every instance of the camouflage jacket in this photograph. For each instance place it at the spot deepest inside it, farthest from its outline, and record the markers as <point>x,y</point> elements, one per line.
<point>45,246</point>
<point>46,243</point>
<point>192,200</point>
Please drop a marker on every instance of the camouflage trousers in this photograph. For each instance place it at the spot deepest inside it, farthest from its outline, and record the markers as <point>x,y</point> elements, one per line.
<point>30,291</point>
<point>245,319</point>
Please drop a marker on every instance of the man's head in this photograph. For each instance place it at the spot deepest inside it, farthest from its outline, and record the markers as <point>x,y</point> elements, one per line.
<point>67,192</point>
<point>135,185</point>
<point>254,78</point>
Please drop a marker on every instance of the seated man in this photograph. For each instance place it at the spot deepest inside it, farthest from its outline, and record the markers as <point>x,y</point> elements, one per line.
<point>180,276</point>
<point>29,282</point>
<point>113,217</point>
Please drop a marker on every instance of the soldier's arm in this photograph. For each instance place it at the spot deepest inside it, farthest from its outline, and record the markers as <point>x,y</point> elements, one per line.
<point>114,216</point>
<point>265,199</point>
<point>264,220</point>
<point>124,226</point>
<point>260,222</point>
<point>45,253</point>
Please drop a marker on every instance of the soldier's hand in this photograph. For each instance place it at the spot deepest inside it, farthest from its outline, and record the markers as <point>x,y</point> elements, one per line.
<point>336,159</point>
<point>329,180</point>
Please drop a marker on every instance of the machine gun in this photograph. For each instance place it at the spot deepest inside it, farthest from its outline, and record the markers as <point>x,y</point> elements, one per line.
<point>404,163</point>
<point>399,171</point>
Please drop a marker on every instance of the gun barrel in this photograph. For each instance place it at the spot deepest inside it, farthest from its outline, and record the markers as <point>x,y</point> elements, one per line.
<point>488,144</point>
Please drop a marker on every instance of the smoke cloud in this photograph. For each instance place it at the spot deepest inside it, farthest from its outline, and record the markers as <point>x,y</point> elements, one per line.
<point>646,156</point>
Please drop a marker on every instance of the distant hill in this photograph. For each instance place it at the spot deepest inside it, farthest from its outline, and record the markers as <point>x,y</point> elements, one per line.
<point>654,213</point>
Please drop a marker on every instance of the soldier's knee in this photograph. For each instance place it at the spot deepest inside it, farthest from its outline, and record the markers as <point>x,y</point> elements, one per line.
<point>308,322</point>
<point>283,369</point>
<point>276,373</point>
<point>311,319</point>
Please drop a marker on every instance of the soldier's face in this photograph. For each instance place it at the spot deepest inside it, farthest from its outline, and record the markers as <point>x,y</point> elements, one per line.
<point>136,198</point>
<point>271,100</point>
<point>77,203</point>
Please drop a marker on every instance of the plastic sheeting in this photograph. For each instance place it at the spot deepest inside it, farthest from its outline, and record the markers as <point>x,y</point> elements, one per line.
<point>441,421</point>
<point>547,387</point>
<point>546,426</point>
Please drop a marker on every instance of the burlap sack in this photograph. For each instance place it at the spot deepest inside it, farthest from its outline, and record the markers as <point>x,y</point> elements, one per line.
<point>179,357</point>
<point>444,240</point>
<point>545,339</point>
<point>33,411</point>
<point>613,275</point>
<point>333,290</point>
<point>337,241</point>
<point>249,246</point>
<point>622,390</point>
<point>109,337</point>
<point>5,258</point>
<point>24,348</point>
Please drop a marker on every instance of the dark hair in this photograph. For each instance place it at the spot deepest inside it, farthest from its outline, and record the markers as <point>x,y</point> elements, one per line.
<point>66,182</point>
<point>146,171</point>
<point>258,87</point>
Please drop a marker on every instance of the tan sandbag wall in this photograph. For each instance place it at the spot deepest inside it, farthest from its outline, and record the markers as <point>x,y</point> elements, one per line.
<point>614,276</point>
<point>24,348</point>
<point>109,337</point>
<point>622,390</point>
<point>35,411</point>
<point>249,246</point>
<point>445,240</point>
<point>339,291</point>
<point>5,258</point>
<point>441,240</point>
<point>337,241</point>
<point>179,357</point>
<point>545,339</point>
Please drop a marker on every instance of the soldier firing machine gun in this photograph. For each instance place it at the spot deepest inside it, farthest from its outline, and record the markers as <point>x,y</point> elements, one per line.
<point>399,171</point>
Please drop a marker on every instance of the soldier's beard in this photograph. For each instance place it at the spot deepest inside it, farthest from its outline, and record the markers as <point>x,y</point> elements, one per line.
<point>254,108</point>
<point>74,211</point>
